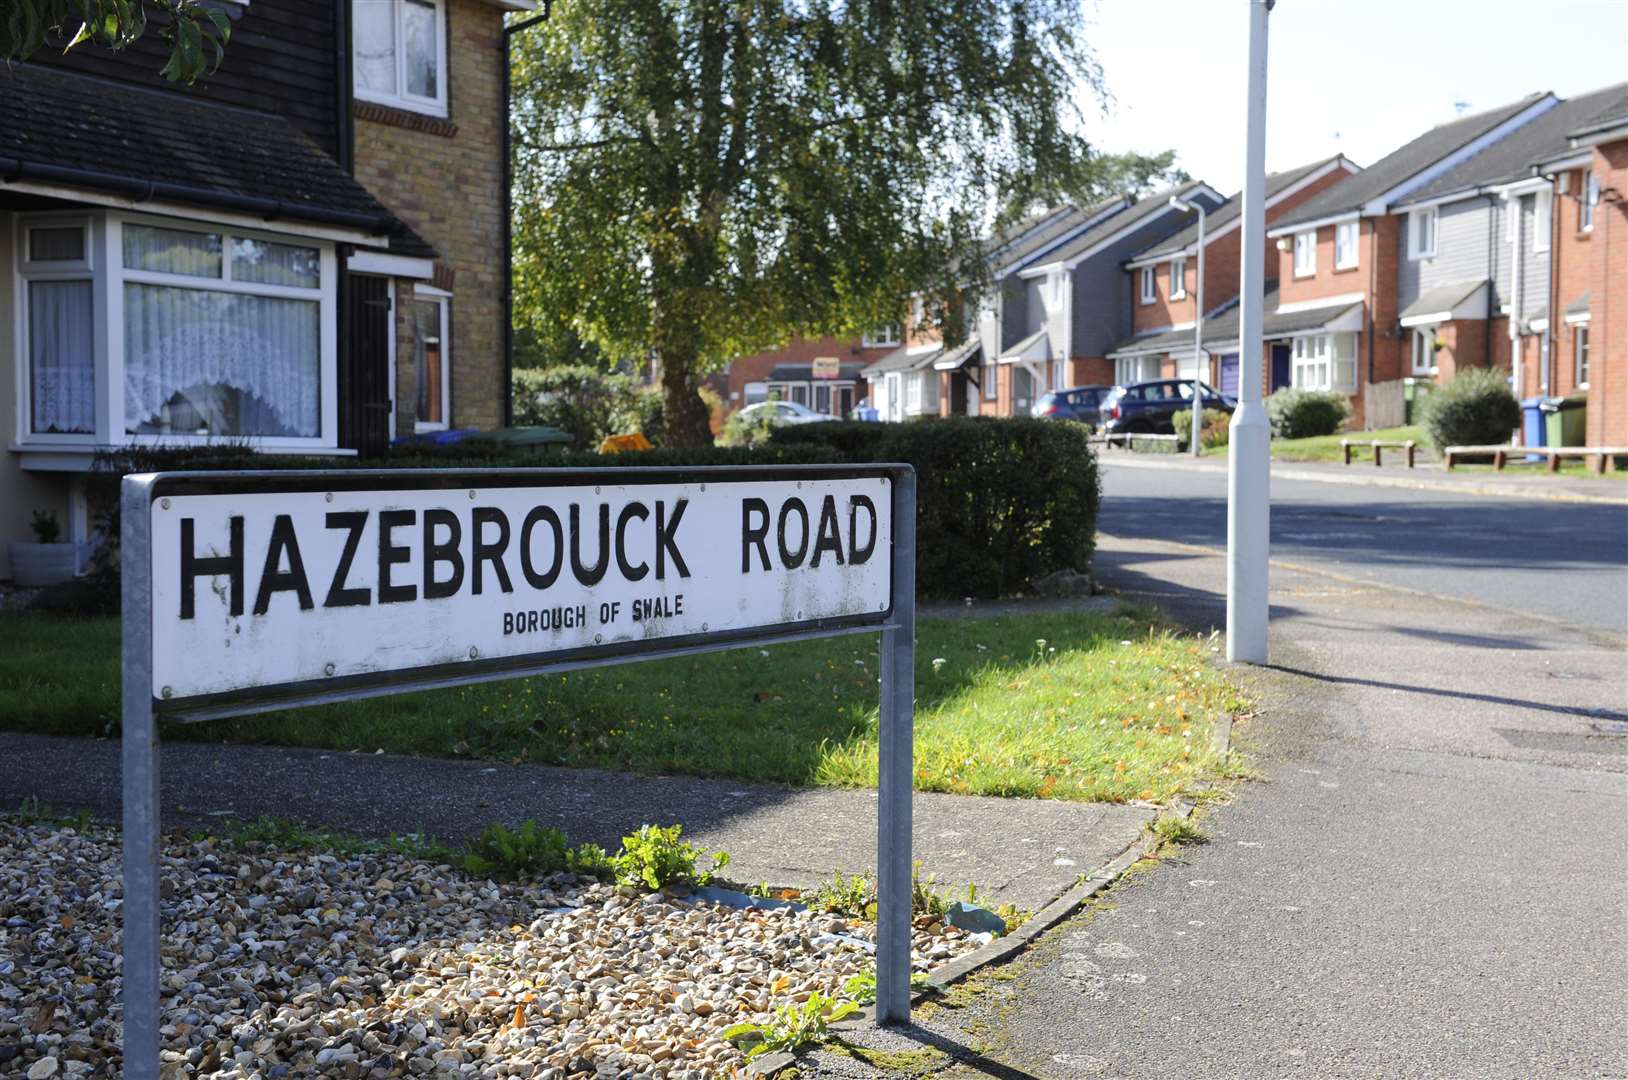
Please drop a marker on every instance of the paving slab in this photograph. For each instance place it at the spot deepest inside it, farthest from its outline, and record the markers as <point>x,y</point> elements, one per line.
<point>1020,851</point>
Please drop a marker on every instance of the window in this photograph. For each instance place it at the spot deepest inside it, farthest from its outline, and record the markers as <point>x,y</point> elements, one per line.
<point>1591,198</point>
<point>1148,286</point>
<point>180,332</point>
<point>822,398</point>
<point>222,335</point>
<point>399,53</point>
<point>989,382</point>
<point>1345,362</point>
<point>1325,362</point>
<point>1178,279</point>
<point>1542,219</point>
<point>1424,350</point>
<point>1305,254</point>
<point>1422,233</point>
<point>883,337</point>
<point>912,392</point>
<point>60,342</point>
<point>1134,369</point>
<point>1345,245</point>
<point>1058,370</point>
<point>430,341</point>
<point>754,392</point>
<point>1579,340</point>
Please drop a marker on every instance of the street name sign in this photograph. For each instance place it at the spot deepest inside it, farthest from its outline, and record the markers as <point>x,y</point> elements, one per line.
<point>250,591</point>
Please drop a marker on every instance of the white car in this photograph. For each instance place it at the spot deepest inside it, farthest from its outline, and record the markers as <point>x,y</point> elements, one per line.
<point>785,412</point>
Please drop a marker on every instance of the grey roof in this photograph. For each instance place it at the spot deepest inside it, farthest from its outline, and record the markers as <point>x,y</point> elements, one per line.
<point>1442,298</point>
<point>1024,344</point>
<point>1229,210</point>
<point>93,135</point>
<point>1578,306</point>
<point>904,358</point>
<point>1056,225</point>
<point>1406,161</point>
<point>1222,328</point>
<point>1133,215</point>
<point>805,372</point>
<point>961,355</point>
<point>1613,113</point>
<point>1512,157</point>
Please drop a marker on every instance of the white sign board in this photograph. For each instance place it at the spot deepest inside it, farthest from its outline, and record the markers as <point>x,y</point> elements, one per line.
<point>272,581</point>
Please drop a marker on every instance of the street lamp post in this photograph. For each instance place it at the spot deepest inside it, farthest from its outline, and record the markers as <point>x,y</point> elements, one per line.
<point>1198,327</point>
<point>1249,475</point>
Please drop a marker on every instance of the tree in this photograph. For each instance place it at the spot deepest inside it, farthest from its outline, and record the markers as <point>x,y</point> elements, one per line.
<point>703,178</point>
<point>196,33</point>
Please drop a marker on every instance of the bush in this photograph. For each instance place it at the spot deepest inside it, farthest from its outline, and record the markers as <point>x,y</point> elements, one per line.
<point>1305,414</point>
<point>999,503</point>
<point>747,428</point>
<point>1475,408</point>
<point>1214,433</point>
<point>530,851</point>
<point>655,857</point>
<point>588,404</point>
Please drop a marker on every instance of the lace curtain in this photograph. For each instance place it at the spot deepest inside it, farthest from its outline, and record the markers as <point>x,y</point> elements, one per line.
<point>61,355</point>
<point>245,365</point>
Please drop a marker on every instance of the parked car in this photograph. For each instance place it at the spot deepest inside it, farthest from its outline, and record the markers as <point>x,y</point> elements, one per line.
<point>1080,403</point>
<point>785,412</point>
<point>1147,407</point>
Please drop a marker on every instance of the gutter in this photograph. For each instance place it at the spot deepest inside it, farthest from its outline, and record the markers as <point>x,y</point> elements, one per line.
<point>506,309</point>
<point>13,169</point>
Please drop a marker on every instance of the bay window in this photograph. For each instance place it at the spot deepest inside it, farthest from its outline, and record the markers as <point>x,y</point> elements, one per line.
<point>176,332</point>
<point>399,53</point>
<point>1325,362</point>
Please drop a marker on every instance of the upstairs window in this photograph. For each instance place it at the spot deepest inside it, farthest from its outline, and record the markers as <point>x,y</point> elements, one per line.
<point>1422,233</point>
<point>399,53</point>
<point>1178,279</point>
<point>1345,245</point>
<point>1149,290</point>
<point>1591,198</point>
<point>883,337</point>
<point>1305,254</point>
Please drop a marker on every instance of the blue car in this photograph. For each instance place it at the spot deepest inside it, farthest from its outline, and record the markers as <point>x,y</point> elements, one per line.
<point>1080,403</point>
<point>1147,408</point>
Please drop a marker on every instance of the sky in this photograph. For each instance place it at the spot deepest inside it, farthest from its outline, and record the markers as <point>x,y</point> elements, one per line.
<point>1358,77</point>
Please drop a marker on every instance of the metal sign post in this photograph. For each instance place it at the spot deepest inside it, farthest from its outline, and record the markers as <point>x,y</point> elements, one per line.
<point>245,592</point>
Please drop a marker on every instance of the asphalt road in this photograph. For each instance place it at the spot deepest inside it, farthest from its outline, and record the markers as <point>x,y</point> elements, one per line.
<point>1564,560</point>
<point>1430,878</point>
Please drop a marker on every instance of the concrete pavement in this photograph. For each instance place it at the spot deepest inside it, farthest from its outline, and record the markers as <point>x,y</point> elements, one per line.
<point>1431,881</point>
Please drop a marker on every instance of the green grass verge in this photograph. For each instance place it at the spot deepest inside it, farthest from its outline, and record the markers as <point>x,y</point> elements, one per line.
<point>1109,707</point>
<point>1327,447</point>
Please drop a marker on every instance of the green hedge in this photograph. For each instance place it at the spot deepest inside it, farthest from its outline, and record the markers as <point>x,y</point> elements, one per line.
<point>1000,503</point>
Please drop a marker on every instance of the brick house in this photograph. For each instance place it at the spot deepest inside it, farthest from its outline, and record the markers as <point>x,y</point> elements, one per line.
<point>1163,285</point>
<point>821,373</point>
<point>305,252</point>
<point>1340,267</point>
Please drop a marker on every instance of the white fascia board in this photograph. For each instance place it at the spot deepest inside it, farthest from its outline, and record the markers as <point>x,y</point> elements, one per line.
<point>1442,166</point>
<point>1562,162</point>
<point>402,266</point>
<point>1459,195</point>
<point>1321,301</point>
<point>1538,326</point>
<point>1314,224</point>
<point>1523,186</point>
<point>1604,135</point>
<point>1431,319</point>
<point>1114,238</point>
<point>191,212</point>
<point>1578,318</point>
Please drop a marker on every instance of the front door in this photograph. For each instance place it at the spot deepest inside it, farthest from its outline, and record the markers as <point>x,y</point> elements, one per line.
<point>1280,365</point>
<point>1022,390</point>
<point>365,376</point>
<point>958,393</point>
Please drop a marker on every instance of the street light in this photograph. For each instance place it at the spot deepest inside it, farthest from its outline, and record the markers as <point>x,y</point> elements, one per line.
<point>1198,325</point>
<point>1249,475</point>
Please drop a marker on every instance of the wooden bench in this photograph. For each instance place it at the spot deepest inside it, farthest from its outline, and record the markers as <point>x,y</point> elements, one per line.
<point>1378,446</point>
<point>1501,454</point>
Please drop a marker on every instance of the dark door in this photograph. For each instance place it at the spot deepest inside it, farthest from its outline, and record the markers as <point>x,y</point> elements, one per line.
<point>364,388</point>
<point>1280,366</point>
<point>958,393</point>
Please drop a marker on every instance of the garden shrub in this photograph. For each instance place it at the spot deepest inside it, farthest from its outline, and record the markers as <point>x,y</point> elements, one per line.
<point>586,403</point>
<point>1474,408</point>
<point>655,858</point>
<point>747,428</point>
<point>1214,433</point>
<point>1305,414</point>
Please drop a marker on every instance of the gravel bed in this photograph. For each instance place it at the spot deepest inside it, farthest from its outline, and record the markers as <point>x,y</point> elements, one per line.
<point>296,964</point>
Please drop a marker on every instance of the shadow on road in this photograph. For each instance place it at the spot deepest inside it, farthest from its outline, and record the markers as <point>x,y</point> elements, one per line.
<point>1611,715</point>
<point>959,1053</point>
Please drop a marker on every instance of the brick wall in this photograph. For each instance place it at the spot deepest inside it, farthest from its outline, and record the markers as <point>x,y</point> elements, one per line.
<point>1328,281</point>
<point>445,179</point>
<point>756,367</point>
<point>1572,254</point>
<point>1608,301</point>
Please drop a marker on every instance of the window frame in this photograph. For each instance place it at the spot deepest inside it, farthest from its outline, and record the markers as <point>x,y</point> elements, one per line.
<point>1178,278</point>
<point>888,336</point>
<point>106,271</point>
<point>401,99</point>
<point>990,386</point>
<point>1149,287</point>
<point>1590,199</point>
<point>1353,231</point>
<point>1542,220</point>
<point>1305,241</point>
<point>424,294</point>
<point>1581,357</point>
<point>1416,218</point>
<point>1421,335</point>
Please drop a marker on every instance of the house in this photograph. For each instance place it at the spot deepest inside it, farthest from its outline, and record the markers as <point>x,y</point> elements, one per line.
<point>822,373</point>
<point>1496,248</point>
<point>1341,258</point>
<point>305,253</point>
<point>1163,284</point>
<point>1061,301</point>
